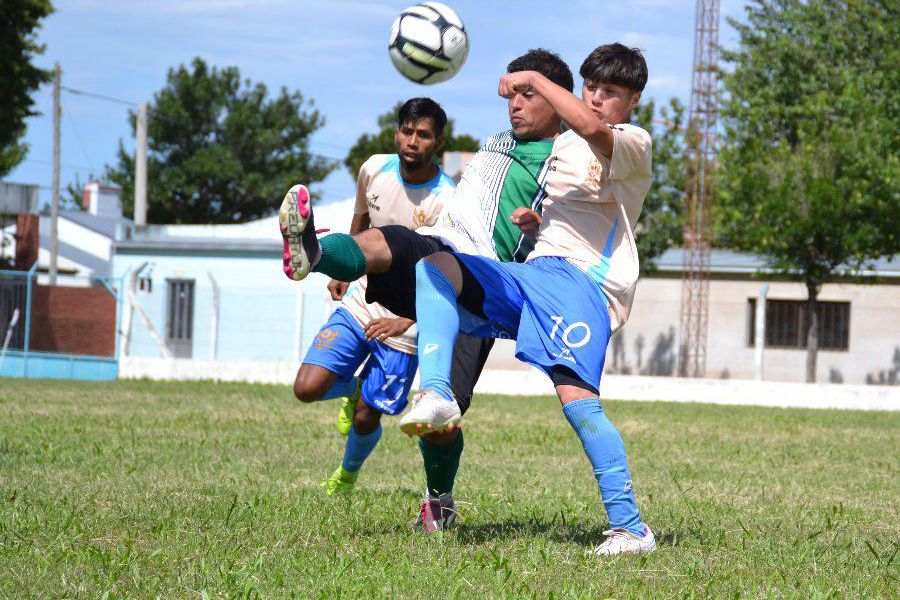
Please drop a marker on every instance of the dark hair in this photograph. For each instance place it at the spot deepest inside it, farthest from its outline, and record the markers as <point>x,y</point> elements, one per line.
<point>547,63</point>
<point>616,64</point>
<point>416,109</point>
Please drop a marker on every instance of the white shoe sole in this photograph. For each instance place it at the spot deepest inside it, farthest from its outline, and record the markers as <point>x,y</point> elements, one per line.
<point>419,427</point>
<point>292,224</point>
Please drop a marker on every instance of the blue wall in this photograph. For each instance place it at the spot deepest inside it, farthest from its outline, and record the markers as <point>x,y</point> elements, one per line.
<point>257,306</point>
<point>42,365</point>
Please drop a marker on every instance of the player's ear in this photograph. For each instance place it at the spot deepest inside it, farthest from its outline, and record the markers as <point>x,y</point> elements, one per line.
<point>635,98</point>
<point>439,144</point>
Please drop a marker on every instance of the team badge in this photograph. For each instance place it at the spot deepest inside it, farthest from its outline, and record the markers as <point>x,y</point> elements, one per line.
<point>595,173</point>
<point>325,338</point>
<point>420,218</point>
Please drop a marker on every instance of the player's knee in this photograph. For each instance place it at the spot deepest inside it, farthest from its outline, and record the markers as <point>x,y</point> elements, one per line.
<point>308,387</point>
<point>366,419</point>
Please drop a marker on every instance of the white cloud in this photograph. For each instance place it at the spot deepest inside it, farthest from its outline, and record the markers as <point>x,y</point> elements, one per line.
<point>667,81</point>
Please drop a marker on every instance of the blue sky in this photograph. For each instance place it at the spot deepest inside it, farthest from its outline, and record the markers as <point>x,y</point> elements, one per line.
<point>333,51</point>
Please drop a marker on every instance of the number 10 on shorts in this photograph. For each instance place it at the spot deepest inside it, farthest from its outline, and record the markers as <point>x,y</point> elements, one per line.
<point>575,335</point>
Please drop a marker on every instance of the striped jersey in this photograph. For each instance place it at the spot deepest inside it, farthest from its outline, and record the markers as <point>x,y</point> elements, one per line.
<point>505,174</point>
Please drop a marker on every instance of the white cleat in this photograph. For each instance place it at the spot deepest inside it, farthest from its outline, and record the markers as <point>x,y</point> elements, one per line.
<point>621,541</point>
<point>428,413</point>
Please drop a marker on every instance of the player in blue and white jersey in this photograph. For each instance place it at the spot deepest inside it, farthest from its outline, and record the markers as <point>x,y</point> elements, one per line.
<point>408,190</point>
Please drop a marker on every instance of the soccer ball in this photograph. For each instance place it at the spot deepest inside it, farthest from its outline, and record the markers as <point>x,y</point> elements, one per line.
<point>428,43</point>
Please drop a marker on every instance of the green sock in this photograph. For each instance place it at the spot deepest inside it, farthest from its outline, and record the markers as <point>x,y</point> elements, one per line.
<point>441,463</point>
<point>342,258</point>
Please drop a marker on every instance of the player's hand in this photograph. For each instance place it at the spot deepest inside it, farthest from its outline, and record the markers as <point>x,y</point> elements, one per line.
<point>384,327</point>
<point>337,289</point>
<point>513,83</point>
<point>526,220</point>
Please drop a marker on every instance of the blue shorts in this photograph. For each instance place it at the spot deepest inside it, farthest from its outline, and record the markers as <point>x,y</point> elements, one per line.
<point>556,313</point>
<point>341,346</point>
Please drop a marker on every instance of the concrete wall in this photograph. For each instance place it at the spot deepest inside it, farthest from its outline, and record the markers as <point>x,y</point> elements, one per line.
<point>648,344</point>
<point>262,315</point>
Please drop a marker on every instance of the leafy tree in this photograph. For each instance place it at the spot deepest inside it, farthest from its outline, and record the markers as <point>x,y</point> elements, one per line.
<point>18,77</point>
<point>659,227</point>
<point>219,149</point>
<point>383,142</point>
<point>810,162</point>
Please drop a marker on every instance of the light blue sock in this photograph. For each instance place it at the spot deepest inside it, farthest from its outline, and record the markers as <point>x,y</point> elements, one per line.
<point>358,449</point>
<point>341,388</point>
<point>438,327</point>
<point>606,451</point>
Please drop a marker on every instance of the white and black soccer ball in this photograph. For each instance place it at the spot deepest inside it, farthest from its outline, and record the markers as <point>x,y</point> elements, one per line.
<point>428,43</point>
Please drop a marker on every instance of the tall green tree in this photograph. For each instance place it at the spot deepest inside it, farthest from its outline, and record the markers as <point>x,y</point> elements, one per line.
<point>220,150</point>
<point>810,155</point>
<point>19,78</point>
<point>383,141</point>
<point>659,227</point>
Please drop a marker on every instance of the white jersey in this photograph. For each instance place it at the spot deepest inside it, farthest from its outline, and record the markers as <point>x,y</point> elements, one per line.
<point>592,206</point>
<point>389,200</point>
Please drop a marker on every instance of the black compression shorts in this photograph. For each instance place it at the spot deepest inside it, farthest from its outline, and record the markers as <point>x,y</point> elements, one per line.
<point>395,290</point>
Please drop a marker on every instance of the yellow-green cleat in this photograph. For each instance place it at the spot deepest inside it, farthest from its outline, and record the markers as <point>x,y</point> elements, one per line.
<point>340,482</point>
<point>348,410</point>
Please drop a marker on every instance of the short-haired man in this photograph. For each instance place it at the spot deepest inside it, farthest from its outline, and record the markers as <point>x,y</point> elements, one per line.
<point>406,190</point>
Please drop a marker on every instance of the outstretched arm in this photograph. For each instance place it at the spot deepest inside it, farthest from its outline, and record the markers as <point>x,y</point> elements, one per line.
<point>569,107</point>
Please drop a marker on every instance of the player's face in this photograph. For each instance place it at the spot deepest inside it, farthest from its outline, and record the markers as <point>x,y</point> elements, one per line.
<point>417,143</point>
<point>532,117</point>
<point>609,101</point>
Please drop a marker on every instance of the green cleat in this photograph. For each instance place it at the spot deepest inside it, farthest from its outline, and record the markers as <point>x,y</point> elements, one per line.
<point>348,410</point>
<point>340,482</point>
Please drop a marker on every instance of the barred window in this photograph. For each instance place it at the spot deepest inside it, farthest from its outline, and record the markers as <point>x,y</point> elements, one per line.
<point>786,324</point>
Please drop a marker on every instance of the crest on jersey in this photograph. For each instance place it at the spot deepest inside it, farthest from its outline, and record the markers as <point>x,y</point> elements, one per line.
<point>325,338</point>
<point>420,218</point>
<point>595,173</point>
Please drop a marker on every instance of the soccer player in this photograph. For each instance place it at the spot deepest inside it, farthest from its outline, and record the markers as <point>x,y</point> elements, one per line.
<point>577,285</point>
<point>502,185</point>
<point>407,190</point>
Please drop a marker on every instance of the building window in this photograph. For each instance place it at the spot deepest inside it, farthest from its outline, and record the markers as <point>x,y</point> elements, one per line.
<point>180,317</point>
<point>145,284</point>
<point>786,324</point>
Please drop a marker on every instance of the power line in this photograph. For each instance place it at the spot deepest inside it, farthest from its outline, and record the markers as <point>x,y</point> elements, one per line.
<point>99,96</point>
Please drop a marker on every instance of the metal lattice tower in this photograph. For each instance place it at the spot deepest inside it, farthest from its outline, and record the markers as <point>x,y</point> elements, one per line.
<point>701,188</point>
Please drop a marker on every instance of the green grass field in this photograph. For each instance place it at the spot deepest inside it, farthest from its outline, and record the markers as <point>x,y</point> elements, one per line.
<point>139,489</point>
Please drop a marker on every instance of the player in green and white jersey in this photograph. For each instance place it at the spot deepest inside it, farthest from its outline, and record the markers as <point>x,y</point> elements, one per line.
<point>499,195</point>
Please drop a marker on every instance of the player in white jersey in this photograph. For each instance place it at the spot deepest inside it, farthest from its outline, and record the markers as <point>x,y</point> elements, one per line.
<point>406,189</point>
<point>576,286</point>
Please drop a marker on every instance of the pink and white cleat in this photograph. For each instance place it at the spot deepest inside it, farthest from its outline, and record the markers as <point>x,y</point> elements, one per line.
<point>301,247</point>
<point>436,514</point>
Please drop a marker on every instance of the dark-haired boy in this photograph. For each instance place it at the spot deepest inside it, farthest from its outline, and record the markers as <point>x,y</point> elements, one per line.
<point>577,285</point>
<point>407,190</point>
<point>501,189</point>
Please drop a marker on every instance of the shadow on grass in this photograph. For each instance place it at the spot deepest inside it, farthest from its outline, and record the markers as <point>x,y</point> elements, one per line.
<point>581,534</point>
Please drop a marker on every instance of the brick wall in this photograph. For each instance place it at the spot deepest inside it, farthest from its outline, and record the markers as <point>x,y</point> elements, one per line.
<point>73,320</point>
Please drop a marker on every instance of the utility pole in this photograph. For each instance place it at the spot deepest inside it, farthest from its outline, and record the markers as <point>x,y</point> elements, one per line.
<point>54,203</point>
<point>140,168</point>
